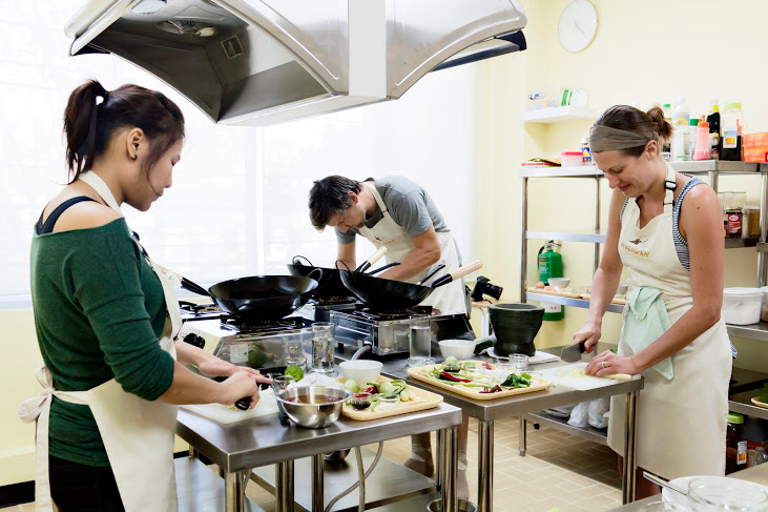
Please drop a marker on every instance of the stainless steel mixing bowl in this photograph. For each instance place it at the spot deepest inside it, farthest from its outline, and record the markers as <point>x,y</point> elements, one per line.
<point>313,406</point>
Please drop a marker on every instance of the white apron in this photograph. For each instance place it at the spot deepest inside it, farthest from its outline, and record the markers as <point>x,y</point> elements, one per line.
<point>681,423</point>
<point>137,434</point>
<point>387,233</point>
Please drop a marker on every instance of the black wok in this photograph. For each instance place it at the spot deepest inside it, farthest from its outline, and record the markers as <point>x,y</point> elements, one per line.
<point>330,284</point>
<point>388,295</point>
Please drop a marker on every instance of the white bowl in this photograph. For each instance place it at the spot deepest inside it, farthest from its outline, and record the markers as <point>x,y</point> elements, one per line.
<point>460,349</point>
<point>361,370</point>
<point>559,283</point>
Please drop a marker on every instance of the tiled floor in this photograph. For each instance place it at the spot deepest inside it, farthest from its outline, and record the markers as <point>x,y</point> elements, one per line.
<point>560,471</point>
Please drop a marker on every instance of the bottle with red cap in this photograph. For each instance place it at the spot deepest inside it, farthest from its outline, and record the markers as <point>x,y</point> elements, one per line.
<point>702,141</point>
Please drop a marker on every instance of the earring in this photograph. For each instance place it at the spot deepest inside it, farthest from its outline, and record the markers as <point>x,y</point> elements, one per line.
<point>134,157</point>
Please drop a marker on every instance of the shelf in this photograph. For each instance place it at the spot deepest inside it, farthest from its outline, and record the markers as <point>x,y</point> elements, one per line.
<point>742,404</point>
<point>558,115</point>
<point>758,331</point>
<point>593,434</point>
<point>567,301</point>
<point>762,247</point>
<point>733,243</point>
<point>591,171</point>
<point>596,238</point>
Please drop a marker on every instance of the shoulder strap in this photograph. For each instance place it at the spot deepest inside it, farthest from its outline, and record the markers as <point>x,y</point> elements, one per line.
<point>50,222</point>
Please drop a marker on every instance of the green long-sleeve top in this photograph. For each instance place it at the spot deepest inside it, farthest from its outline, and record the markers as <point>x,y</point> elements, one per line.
<point>99,312</point>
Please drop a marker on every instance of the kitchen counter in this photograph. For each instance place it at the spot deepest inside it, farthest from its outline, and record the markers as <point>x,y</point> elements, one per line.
<point>264,441</point>
<point>757,474</point>
<point>487,411</point>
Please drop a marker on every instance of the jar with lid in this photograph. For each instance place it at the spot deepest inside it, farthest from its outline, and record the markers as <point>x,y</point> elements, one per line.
<point>735,444</point>
<point>732,120</point>
<point>751,221</point>
<point>735,202</point>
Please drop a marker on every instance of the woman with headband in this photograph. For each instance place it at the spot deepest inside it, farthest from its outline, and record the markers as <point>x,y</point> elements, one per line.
<point>666,228</point>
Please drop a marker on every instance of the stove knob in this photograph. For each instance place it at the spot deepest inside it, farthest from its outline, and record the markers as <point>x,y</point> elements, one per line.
<point>195,340</point>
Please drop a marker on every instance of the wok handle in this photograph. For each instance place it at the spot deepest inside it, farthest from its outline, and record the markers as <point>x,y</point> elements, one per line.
<point>316,270</point>
<point>385,267</point>
<point>371,260</point>
<point>187,284</point>
<point>297,261</point>
<point>343,263</point>
<point>457,274</point>
<point>433,272</point>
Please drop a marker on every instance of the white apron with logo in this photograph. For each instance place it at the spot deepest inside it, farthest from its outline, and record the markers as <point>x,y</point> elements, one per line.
<point>137,434</point>
<point>681,423</point>
<point>387,233</point>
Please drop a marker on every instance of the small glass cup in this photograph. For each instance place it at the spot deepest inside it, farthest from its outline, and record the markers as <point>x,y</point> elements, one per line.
<point>421,341</point>
<point>294,350</point>
<point>520,361</point>
<point>323,345</point>
<point>361,400</point>
<point>281,382</point>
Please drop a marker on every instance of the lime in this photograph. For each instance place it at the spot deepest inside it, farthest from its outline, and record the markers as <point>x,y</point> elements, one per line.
<point>256,358</point>
<point>295,371</point>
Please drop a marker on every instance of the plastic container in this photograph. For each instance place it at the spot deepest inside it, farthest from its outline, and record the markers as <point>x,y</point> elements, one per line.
<point>571,158</point>
<point>752,222</point>
<point>742,306</point>
<point>764,309</point>
<point>733,125</point>
<point>755,434</point>
<point>586,153</point>
<point>735,444</point>
<point>702,151</point>
<point>680,113</point>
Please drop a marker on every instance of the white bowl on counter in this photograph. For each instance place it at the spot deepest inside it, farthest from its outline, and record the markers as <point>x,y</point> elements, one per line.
<point>460,349</point>
<point>741,306</point>
<point>559,283</point>
<point>361,370</point>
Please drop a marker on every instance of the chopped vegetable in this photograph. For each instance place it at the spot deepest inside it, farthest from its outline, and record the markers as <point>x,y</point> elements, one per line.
<point>295,371</point>
<point>517,381</point>
<point>385,387</point>
<point>453,378</point>
<point>371,389</point>
<point>494,389</point>
<point>451,360</point>
<point>352,385</point>
<point>406,396</point>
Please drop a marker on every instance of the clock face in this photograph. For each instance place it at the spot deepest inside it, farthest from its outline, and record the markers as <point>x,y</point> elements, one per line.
<point>578,25</point>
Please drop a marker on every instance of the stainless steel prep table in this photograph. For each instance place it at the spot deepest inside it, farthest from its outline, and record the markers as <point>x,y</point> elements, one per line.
<point>237,448</point>
<point>487,411</point>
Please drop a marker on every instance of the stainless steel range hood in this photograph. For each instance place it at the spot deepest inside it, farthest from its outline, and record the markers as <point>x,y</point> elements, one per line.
<point>259,62</point>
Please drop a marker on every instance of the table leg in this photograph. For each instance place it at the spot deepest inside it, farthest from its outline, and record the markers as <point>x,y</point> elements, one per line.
<point>523,435</point>
<point>485,466</point>
<point>193,453</point>
<point>318,475</point>
<point>628,482</point>
<point>447,469</point>
<point>284,486</point>
<point>234,491</point>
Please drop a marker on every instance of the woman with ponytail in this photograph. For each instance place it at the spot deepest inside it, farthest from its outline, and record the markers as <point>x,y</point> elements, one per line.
<point>107,318</point>
<point>666,229</point>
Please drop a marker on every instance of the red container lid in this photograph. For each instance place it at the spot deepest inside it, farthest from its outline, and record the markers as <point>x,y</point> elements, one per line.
<point>571,153</point>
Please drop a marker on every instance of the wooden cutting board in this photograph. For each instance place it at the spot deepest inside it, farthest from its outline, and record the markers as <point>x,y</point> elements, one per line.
<point>227,415</point>
<point>423,400</point>
<point>422,373</point>
<point>573,376</point>
<point>565,293</point>
<point>616,300</point>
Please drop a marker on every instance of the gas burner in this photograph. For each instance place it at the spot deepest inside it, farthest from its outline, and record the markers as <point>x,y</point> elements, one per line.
<point>333,300</point>
<point>261,326</point>
<point>191,311</point>
<point>375,314</point>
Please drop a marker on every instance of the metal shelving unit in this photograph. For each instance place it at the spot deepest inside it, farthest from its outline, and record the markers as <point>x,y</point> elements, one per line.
<point>713,169</point>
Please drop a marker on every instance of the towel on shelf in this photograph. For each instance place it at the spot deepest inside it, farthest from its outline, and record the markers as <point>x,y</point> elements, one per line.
<point>645,322</point>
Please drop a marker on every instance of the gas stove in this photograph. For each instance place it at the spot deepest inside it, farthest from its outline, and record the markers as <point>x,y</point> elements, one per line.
<point>319,310</point>
<point>387,332</point>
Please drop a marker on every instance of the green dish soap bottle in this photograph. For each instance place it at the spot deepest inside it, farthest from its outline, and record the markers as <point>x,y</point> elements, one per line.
<point>551,265</point>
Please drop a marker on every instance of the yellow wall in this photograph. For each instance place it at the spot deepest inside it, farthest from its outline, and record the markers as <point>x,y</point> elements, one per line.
<point>644,53</point>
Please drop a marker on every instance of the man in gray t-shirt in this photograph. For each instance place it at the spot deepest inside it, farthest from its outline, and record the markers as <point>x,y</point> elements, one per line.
<point>396,213</point>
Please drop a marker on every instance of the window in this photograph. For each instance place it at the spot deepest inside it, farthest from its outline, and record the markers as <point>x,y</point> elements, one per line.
<point>239,201</point>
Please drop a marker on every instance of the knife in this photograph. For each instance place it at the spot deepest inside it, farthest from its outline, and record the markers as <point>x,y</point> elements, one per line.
<point>572,353</point>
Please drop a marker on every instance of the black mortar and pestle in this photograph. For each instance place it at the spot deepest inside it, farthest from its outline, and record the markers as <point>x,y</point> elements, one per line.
<point>515,326</point>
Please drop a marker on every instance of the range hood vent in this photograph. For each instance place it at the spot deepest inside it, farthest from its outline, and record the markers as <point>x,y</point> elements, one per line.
<point>260,62</point>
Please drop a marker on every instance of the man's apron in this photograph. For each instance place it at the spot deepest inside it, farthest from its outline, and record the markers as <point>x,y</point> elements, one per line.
<point>387,233</point>
<point>137,434</point>
<point>681,423</point>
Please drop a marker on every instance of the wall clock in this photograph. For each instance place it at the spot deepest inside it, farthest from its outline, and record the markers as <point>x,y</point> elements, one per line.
<point>578,25</point>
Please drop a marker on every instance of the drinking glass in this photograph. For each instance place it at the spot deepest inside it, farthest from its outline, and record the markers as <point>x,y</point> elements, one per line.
<point>322,348</point>
<point>294,349</point>
<point>520,361</point>
<point>421,341</point>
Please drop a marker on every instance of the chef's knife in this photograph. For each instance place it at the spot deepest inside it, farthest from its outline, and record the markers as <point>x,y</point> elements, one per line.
<point>573,353</point>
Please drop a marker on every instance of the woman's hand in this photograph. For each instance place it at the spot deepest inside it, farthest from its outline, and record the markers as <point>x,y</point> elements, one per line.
<point>589,334</point>
<point>608,363</point>
<point>216,367</point>
<point>240,385</point>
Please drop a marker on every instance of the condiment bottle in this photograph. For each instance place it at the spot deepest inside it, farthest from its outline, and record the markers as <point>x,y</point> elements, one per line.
<point>733,124</point>
<point>735,444</point>
<point>714,130</point>
<point>702,151</point>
